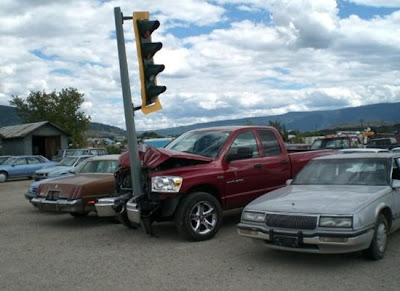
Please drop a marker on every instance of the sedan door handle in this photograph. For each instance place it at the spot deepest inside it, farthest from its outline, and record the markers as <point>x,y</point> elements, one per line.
<point>258,166</point>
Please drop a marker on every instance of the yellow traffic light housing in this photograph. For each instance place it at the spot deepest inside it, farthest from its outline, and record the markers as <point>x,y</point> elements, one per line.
<point>148,71</point>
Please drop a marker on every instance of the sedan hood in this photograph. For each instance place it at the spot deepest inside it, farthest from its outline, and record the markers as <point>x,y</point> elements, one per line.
<point>318,199</point>
<point>54,169</point>
<point>154,157</point>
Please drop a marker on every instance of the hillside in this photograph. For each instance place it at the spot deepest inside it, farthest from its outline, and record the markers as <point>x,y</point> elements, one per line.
<point>362,116</point>
<point>370,115</point>
<point>8,116</point>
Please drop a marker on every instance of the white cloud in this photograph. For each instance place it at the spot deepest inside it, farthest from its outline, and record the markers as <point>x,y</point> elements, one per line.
<point>377,3</point>
<point>304,57</point>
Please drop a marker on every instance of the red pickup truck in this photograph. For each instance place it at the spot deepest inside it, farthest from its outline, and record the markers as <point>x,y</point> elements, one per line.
<point>203,172</point>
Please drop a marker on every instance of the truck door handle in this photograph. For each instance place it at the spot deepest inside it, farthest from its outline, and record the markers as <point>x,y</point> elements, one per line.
<point>258,166</point>
<point>284,161</point>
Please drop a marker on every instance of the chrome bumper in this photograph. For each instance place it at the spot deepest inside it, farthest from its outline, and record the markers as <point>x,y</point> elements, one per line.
<point>104,206</point>
<point>60,205</point>
<point>331,243</point>
<point>133,211</point>
<point>29,195</point>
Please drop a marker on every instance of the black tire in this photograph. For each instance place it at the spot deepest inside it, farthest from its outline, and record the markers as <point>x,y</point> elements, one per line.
<point>376,250</point>
<point>198,217</point>
<point>79,214</point>
<point>3,176</point>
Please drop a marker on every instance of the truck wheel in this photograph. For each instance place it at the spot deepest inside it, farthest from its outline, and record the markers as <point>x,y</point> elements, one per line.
<point>378,245</point>
<point>3,177</point>
<point>198,217</point>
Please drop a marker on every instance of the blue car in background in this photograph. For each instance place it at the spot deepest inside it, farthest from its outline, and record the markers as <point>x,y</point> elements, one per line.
<point>23,166</point>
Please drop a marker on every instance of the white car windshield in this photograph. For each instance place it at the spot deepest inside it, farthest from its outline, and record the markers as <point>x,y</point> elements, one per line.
<point>374,172</point>
<point>203,143</point>
<point>69,161</point>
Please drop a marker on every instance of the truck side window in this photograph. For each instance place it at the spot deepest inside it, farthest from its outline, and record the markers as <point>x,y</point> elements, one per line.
<point>245,139</point>
<point>269,142</point>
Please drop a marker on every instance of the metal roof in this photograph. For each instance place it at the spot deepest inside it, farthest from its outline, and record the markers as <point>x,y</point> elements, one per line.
<point>21,130</point>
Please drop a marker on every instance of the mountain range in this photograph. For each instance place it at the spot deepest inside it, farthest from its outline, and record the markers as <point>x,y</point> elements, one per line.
<point>361,116</point>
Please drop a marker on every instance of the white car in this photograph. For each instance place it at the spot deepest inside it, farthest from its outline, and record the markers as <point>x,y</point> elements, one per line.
<point>62,168</point>
<point>336,204</point>
<point>395,150</point>
<point>362,150</point>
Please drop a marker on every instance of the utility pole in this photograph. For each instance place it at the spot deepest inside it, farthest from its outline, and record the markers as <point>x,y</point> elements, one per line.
<point>128,106</point>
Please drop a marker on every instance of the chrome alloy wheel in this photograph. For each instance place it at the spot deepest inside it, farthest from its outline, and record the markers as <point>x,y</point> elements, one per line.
<point>381,237</point>
<point>203,217</point>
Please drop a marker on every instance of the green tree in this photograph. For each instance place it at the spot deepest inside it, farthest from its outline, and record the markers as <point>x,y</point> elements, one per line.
<point>59,108</point>
<point>281,128</point>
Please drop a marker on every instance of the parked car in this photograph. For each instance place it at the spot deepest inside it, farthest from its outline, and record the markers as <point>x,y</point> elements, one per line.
<point>336,142</point>
<point>23,166</point>
<point>384,142</point>
<point>62,168</point>
<point>395,150</point>
<point>336,204</point>
<point>77,194</point>
<point>363,150</point>
<point>4,158</point>
<point>62,153</point>
<point>203,172</point>
<point>90,151</point>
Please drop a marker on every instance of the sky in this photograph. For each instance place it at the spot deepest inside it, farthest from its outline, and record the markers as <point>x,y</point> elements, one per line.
<point>224,59</point>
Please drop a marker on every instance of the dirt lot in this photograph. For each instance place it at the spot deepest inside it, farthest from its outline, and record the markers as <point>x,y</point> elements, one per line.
<point>47,251</point>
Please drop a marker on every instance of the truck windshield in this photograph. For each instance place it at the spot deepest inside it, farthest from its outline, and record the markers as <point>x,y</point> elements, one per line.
<point>203,143</point>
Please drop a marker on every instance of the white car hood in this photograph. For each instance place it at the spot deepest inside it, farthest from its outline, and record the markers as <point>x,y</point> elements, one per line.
<point>318,199</point>
<point>56,169</point>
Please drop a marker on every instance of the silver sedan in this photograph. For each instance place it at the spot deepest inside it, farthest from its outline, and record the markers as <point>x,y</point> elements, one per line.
<point>336,204</point>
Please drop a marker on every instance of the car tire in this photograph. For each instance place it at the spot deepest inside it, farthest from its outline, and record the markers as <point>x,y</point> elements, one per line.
<point>377,249</point>
<point>79,214</point>
<point>198,217</point>
<point>3,177</point>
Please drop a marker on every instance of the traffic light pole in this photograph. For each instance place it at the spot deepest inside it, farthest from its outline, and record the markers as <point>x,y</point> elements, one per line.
<point>128,106</point>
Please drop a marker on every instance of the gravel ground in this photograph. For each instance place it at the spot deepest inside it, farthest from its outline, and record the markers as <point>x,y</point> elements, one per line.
<point>48,251</point>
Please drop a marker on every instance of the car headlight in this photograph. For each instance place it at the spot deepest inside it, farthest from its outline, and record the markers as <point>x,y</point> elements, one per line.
<point>166,184</point>
<point>253,216</point>
<point>336,221</point>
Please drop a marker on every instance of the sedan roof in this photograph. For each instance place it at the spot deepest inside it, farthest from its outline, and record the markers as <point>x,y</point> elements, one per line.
<point>359,156</point>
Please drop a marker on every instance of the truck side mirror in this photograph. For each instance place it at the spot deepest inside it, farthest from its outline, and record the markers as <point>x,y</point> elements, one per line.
<point>242,153</point>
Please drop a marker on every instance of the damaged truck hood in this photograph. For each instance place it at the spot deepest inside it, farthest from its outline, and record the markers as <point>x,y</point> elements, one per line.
<point>154,157</point>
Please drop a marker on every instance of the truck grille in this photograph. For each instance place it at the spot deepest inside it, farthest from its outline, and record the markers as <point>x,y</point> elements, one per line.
<point>291,221</point>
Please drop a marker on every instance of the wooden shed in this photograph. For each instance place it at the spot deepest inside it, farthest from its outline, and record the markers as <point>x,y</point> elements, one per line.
<point>39,138</point>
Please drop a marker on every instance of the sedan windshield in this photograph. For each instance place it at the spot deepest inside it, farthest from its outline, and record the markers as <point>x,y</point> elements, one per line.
<point>69,161</point>
<point>374,172</point>
<point>203,143</point>
<point>105,166</point>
